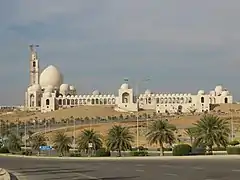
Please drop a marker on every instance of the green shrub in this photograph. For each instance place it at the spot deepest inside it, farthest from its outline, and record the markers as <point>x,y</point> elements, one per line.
<point>140,148</point>
<point>75,154</point>
<point>234,143</point>
<point>233,150</point>
<point>102,152</point>
<point>4,149</point>
<point>182,150</point>
<point>219,149</point>
<point>139,153</point>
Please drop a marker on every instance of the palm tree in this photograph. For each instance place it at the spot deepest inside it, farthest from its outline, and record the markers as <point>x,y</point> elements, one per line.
<point>37,141</point>
<point>89,136</point>
<point>119,139</point>
<point>191,133</point>
<point>62,143</point>
<point>210,131</point>
<point>161,132</point>
<point>14,143</point>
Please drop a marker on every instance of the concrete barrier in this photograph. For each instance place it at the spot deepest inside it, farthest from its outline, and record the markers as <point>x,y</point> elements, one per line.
<point>4,175</point>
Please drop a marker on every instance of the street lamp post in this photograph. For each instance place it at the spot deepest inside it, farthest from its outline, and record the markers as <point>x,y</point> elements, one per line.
<point>74,133</point>
<point>25,142</point>
<point>137,98</point>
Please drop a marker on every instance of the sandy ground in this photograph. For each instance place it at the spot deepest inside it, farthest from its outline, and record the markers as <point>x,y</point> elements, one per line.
<point>76,112</point>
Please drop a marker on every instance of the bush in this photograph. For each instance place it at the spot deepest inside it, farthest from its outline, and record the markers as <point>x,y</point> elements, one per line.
<point>103,153</point>
<point>27,153</point>
<point>233,150</point>
<point>234,143</point>
<point>140,148</point>
<point>139,153</point>
<point>219,149</point>
<point>4,150</point>
<point>75,154</point>
<point>182,150</point>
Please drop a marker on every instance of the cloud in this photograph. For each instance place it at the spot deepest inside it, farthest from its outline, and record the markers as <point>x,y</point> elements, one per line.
<point>182,45</point>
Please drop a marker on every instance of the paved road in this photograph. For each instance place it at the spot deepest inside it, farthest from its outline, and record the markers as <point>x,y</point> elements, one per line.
<point>188,169</point>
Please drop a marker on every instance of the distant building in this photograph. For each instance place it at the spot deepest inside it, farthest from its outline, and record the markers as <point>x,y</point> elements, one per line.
<point>47,92</point>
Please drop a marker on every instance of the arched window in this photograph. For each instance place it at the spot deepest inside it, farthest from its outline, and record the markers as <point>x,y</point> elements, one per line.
<point>157,100</point>
<point>149,100</point>
<point>125,97</point>
<point>202,99</point>
<point>47,102</point>
<point>60,102</point>
<point>226,100</point>
<point>64,101</point>
<point>34,64</point>
<point>93,102</point>
<point>76,101</point>
<point>68,101</point>
<point>72,101</point>
<point>105,101</point>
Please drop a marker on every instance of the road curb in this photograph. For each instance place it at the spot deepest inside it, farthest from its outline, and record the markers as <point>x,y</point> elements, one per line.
<point>4,175</point>
<point>129,158</point>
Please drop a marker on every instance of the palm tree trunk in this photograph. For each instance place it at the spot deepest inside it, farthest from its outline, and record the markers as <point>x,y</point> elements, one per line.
<point>119,153</point>
<point>161,150</point>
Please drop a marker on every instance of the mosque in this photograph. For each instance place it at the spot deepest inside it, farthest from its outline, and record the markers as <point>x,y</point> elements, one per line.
<point>48,92</point>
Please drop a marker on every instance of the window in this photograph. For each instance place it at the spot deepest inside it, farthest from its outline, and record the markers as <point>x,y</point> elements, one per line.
<point>34,64</point>
<point>202,99</point>
<point>226,100</point>
<point>47,102</point>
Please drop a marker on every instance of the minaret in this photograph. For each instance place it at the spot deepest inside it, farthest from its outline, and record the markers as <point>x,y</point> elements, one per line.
<point>34,66</point>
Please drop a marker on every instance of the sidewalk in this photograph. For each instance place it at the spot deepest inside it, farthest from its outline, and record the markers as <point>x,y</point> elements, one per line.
<point>129,158</point>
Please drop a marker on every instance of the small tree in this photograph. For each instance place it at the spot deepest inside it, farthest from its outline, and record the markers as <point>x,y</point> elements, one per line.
<point>119,139</point>
<point>37,141</point>
<point>62,143</point>
<point>161,132</point>
<point>210,131</point>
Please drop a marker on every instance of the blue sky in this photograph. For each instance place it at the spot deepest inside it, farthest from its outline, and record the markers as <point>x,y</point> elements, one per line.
<point>182,46</point>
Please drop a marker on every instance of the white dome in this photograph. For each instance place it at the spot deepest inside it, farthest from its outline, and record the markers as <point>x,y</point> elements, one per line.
<point>30,88</point>
<point>218,90</point>
<point>225,93</point>
<point>51,76</point>
<point>96,92</point>
<point>72,88</point>
<point>125,86</point>
<point>148,92</point>
<point>212,93</point>
<point>64,88</point>
<point>201,92</point>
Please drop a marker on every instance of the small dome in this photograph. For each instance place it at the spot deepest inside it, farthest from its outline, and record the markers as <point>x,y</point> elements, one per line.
<point>72,88</point>
<point>51,76</point>
<point>201,92</point>
<point>96,92</point>
<point>225,93</point>
<point>218,90</point>
<point>148,92</point>
<point>125,86</point>
<point>64,88</point>
<point>30,88</point>
<point>212,93</point>
<point>49,88</point>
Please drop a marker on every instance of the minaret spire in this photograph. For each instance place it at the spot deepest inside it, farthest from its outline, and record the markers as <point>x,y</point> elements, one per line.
<point>34,65</point>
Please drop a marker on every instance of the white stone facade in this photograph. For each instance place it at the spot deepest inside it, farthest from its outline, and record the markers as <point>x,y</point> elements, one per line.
<point>47,92</point>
